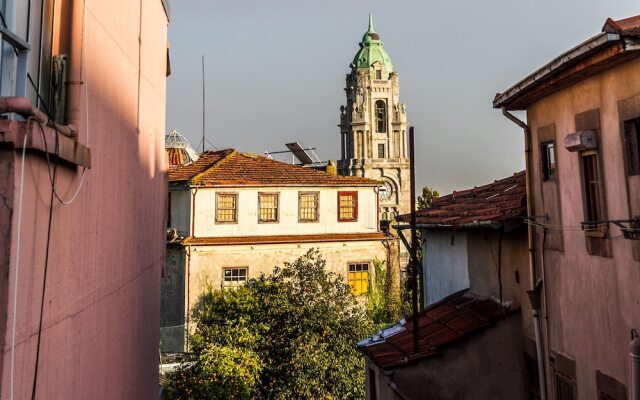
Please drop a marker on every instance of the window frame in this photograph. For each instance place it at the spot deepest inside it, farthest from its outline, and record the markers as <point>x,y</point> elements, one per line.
<point>235,209</point>
<point>383,153</point>
<point>366,280</point>
<point>631,139</point>
<point>354,195</point>
<point>558,377</point>
<point>549,169</point>
<point>28,37</point>
<point>234,282</point>
<point>592,212</point>
<point>316,194</point>
<point>277,208</point>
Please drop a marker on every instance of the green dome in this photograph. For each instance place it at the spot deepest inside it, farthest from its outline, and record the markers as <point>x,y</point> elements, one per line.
<point>371,50</point>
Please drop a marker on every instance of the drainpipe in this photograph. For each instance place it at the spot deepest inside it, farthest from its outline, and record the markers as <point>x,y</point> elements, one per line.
<point>75,48</point>
<point>534,293</point>
<point>634,353</point>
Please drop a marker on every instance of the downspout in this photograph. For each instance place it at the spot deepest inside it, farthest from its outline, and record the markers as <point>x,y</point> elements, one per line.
<point>75,48</point>
<point>192,234</point>
<point>193,213</point>
<point>187,316</point>
<point>534,293</point>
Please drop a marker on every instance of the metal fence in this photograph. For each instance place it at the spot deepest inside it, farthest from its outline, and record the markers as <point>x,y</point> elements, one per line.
<point>173,339</point>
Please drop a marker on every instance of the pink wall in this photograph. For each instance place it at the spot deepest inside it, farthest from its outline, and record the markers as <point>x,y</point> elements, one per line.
<point>593,300</point>
<point>101,312</point>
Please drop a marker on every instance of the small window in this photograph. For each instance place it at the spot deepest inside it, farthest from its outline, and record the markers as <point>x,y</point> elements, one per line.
<point>592,189</point>
<point>359,278</point>
<point>381,116</point>
<point>268,207</point>
<point>234,276</point>
<point>549,161</point>
<point>632,146</point>
<point>347,206</point>
<point>308,207</point>
<point>565,389</point>
<point>226,208</point>
<point>381,150</point>
<point>378,74</point>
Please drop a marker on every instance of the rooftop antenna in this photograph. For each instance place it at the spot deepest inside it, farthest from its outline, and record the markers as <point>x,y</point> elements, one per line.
<point>203,108</point>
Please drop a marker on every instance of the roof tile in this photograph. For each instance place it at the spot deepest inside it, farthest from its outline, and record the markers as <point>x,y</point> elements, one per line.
<point>493,202</point>
<point>232,168</point>
<point>441,324</point>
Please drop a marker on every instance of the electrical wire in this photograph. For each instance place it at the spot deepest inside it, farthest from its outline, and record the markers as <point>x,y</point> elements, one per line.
<point>46,267</point>
<point>571,228</point>
<point>17,272</point>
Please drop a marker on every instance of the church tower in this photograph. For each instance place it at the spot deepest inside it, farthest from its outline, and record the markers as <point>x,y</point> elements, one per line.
<point>373,126</point>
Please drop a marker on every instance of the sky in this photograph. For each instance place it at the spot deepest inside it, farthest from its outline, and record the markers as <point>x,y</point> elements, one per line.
<point>275,72</point>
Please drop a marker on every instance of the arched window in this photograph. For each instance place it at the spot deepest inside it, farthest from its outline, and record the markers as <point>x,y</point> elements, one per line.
<point>381,116</point>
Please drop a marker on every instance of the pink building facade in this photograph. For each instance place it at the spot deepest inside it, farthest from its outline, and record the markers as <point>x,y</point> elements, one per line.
<point>81,266</point>
<point>583,132</point>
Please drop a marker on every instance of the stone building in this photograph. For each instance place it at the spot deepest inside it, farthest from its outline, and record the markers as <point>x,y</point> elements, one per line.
<point>373,126</point>
<point>237,215</point>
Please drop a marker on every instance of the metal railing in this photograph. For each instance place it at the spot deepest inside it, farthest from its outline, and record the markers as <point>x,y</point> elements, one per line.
<point>173,339</point>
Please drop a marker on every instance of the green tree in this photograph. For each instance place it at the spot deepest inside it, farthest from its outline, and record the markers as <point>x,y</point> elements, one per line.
<point>428,194</point>
<point>290,335</point>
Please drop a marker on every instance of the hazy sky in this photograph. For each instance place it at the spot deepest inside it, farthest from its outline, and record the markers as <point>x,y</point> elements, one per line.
<point>275,72</point>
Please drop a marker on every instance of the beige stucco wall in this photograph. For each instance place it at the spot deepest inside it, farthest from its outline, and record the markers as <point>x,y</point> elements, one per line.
<point>101,306</point>
<point>248,225</point>
<point>592,300</point>
<point>206,262</point>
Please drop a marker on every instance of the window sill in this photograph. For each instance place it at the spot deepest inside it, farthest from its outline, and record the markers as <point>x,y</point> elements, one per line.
<point>12,133</point>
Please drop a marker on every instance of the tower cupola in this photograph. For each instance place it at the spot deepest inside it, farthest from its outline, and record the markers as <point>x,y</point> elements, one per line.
<point>371,51</point>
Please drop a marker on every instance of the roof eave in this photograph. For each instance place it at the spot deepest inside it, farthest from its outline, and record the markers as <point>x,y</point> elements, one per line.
<point>187,185</point>
<point>583,50</point>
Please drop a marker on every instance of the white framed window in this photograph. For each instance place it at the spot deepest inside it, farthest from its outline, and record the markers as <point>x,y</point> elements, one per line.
<point>234,276</point>
<point>226,208</point>
<point>308,204</point>
<point>268,207</point>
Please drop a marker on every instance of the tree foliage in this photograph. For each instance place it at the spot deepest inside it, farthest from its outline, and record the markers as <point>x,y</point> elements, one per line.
<point>288,335</point>
<point>428,194</point>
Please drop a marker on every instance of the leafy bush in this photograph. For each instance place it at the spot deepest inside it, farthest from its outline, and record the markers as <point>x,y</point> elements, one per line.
<point>288,335</point>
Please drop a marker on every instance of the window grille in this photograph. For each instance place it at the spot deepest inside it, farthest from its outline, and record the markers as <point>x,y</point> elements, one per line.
<point>347,206</point>
<point>226,207</point>
<point>308,206</point>
<point>268,204</point>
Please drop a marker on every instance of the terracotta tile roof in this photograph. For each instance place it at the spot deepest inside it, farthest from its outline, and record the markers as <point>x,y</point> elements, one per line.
<point>232,168</point>
<point>327,237</point>
<point>493,202</point>
<point>448,321</point>
<point>625,27</point>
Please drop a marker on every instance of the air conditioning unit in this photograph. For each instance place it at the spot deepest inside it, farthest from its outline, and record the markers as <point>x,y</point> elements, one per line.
<point>581,140</point>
